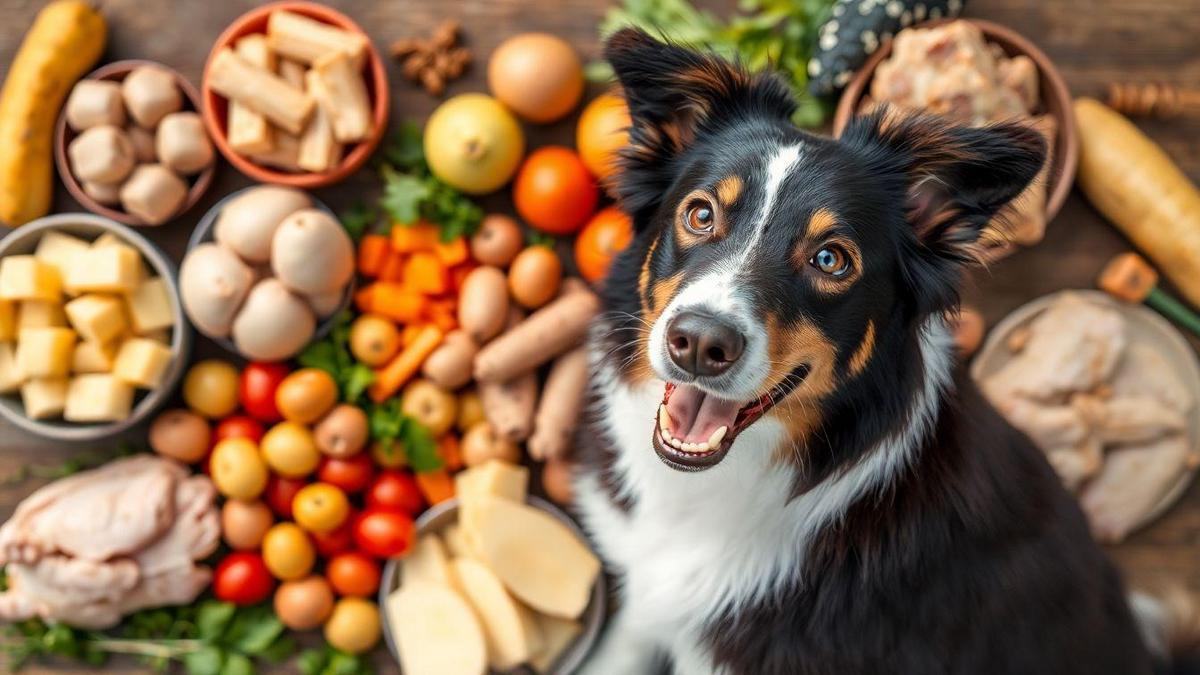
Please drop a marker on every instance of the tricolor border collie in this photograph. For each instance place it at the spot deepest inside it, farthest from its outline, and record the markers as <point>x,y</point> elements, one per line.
<point>783,464</point>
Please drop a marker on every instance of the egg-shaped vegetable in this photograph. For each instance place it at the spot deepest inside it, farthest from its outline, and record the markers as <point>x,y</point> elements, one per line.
<point>537,75</point>
<point>248,221</point>
<point>274,324</point>
<point>311,253</point>
<point>473,143</point>
<point>213,282</point>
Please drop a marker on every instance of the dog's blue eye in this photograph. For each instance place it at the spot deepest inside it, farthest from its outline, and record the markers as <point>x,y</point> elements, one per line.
<point>831,260</point>
<point>700,218</point>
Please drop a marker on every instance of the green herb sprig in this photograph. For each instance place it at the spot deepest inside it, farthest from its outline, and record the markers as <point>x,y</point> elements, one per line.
<point>412,194</point>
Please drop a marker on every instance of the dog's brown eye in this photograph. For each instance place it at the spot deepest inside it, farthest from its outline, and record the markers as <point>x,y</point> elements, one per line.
<point>831,260</point>
<point>700,218</point>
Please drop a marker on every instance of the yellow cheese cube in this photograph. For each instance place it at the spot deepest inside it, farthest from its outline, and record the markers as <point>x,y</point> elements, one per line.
<point>107,269</point>
<point>94,357</point>
<point>24,277</point>
<point>45,352</point>
<point>497,478</point>
<point>150,306</point>
<point>8,321</point>
<point>108,239</point>
<point>44,397</point>
<point>58,250</point>
<point>142,362</point>
<point>98,398</point>
<point>99,318</point>
<point>10,375</point>
<point>162,336</point>
<point>40,314</point>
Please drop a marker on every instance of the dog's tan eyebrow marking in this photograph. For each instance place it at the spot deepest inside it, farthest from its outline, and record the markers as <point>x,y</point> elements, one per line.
<point>865,349</point>
<point>822,222</point>
<point>644,278</point>
<point>729,189</point>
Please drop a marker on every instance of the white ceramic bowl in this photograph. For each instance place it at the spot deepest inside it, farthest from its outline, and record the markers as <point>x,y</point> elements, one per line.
<point>88,226</point>
<point>441,516</point>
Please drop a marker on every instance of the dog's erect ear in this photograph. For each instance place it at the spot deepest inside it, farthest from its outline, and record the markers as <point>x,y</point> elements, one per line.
<point>675,93</point>
<point>957,180</point>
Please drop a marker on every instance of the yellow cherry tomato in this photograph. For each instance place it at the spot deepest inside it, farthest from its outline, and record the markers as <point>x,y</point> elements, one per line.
<point>290,450</point>
<point>320,507</point>
<point>238,470</point>
<point>354,626</point>
<point>288,552</point>
<point>211,388</point>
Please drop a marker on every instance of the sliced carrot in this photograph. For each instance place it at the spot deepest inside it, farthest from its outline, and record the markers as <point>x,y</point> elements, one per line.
<point>372,252</point>
<point>453,252</point>
<point>425,273</point>
<point>412,238</point>
<point>443,313</point>
<point>436,486</point>
<point>364,298</point>
<point>393,267</point>
<point>410,333</point>
<point>397,302</point>
<point>450,452</point>
<point>404,365</point>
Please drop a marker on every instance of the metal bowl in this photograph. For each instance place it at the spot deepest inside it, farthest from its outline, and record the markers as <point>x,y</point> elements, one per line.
<point>89,226</point>
<point>204,233</point>
<point>445,514</point>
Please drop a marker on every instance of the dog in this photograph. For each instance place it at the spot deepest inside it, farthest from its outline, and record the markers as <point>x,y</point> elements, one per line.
<point>782,461</point>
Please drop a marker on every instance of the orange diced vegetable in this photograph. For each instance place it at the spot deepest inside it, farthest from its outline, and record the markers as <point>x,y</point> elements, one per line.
<point>443,313</point>
<point>393,267</point>
<point>1128,277</point>
<point>372,253</point>
<point>412,238</point>
<point>450,452</point>
<point>404,365</point>
<point>452,253</point>
<point>425,273</point>
<point>436,486</point>
<point>364,298</point>
<point>397,302</point>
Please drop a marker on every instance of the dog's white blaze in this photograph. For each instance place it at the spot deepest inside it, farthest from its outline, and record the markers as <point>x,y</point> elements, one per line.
<point>697,544</point>
<point>779,167</point>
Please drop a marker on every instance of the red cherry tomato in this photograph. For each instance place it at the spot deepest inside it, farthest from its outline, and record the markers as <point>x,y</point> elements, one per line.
<point>243,579</point>
<point>256,389</point>
<point>238,426</point>
<point>354,573</point>
<point>338,540</point>
<point>395,490</point>
<point>384,534</point>
<point>352,474</point>
<point>281,492</point>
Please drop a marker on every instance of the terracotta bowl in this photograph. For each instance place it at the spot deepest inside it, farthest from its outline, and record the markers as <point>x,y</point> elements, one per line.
<point>1055,101</point>
<point>64,134</point>
<point>216,106</point>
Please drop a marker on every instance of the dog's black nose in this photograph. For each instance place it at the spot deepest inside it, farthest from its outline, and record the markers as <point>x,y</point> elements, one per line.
<point>702,344</point>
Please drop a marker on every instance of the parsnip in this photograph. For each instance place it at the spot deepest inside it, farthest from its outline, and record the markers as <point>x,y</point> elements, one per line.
<point>285,155</point>
<point>249,132</point>
<point>342,94</point>
<point>292,72</point>
<point>560,406</point>
<point>66,39</point>
<point>319,151</point>
<point>307,40</point>
<point>265,93</point>
<point>1133,182</point>
<point>548,332</point>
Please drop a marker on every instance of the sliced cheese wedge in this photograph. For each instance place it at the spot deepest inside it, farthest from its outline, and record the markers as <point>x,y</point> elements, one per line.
<point>511,631</point>
<point>539,559</point>
<point>427,562</point>
<point>557,635</point>
<point>436,632</point>
<point>457,545</point>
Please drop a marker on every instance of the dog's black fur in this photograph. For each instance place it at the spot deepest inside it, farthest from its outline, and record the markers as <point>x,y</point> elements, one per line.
<point>973,559</point>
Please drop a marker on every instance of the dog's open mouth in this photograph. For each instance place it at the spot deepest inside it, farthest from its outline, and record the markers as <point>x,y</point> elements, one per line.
<point>695,429</point>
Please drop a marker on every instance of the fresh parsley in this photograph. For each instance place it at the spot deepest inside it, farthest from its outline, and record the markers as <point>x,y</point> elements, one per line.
<point>396,432</point>
<point>332,355</point>
<point>412,194</point>
<point>329,661</point>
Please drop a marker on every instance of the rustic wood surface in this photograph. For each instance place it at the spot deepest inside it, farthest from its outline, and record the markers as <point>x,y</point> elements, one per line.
<point>1092,41</point>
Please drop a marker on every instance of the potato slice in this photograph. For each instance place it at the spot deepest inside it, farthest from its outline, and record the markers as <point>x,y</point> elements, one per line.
<point>539,559</point>
<point>436,631</point>
<point>557,635</point>
<point>427,562</point>
<point>511,631</point>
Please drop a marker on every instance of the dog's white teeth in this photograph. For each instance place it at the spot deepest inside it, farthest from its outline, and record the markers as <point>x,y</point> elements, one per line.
<point>676,443</point>
<point>700,447</point>
<point>714,441</point>
<point>689,447</point>
<point>664,420</point>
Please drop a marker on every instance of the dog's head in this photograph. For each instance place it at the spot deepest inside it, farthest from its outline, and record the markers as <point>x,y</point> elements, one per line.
<point>774,268</point>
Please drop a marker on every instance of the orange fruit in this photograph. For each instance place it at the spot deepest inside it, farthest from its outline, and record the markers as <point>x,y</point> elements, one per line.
<point>554,192</point>
<point>606,235</point>
<point>603,130</point>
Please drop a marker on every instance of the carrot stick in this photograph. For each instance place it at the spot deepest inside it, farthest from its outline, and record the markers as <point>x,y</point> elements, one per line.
<point>393,267</point>
<point>397,302</point>
<point>436,486</point>
<point>412,238</point>
<point>372,252</point>
<point>548,332</point>
<point>450,452</point>
<point>404,365</point>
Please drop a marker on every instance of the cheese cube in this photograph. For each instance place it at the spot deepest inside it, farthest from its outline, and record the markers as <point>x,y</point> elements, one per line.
<point>94,357</point>
<point>44,397</point>
<point>10,375</point>
<point>142,362</point>
<point>497,478</point>
<point>58,250</point>
<point>108,239</point>
<point>40,314</point>
<point>107,269</point>
<point>150,306</point>
<point>457,545</point>
<point>8,321</point>
<point>24,277</point>
<point>45,352</point>
<point>99,318</point>
<point>162,336</point>
<point>98,398</point>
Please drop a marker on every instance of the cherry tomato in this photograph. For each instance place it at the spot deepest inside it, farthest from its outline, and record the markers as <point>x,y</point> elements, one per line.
<point>280,494</point>
<point>238,426</point>
<point>384,534</point>
<point>338,540</point>
<point>256,389</point>
<point>353,573</point>
<point>243,579</point>
<point>395,490</point>
<point>351,474</point>
<point>554,192</point>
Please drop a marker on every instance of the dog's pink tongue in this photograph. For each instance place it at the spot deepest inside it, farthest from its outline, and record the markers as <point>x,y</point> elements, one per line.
<point>696,415</point>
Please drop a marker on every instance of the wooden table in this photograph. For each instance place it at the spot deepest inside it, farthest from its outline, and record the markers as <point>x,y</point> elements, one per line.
<point>1092,41</point>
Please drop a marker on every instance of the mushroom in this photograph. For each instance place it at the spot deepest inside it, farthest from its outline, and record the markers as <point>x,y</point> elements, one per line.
<point>153,193</point>
<point>213,281</point>
<point>248,221</point>
<point>101,154</point>
<point>150,94</point>
<point>311,253</point>
<point>94,103</point>
<point>108,194</point>
<point>182,144</point>
<point>274,324</point>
